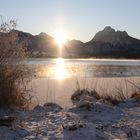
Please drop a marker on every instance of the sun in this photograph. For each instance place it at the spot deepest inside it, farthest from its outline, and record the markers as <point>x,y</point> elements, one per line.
<point>60,38</point>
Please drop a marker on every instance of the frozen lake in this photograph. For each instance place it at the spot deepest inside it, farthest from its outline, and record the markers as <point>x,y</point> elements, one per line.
<point>56,79</point>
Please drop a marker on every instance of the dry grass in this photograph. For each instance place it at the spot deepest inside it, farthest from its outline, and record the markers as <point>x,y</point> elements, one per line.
<point>14,73</point>
<point>119,94</point>
<point>136,95</point>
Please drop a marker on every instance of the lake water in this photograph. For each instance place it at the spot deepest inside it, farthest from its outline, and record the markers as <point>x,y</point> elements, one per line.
<point>67,68</point>
<point>56,79</point>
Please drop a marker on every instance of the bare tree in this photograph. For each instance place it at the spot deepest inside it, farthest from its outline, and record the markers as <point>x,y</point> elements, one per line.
<point>15,74</point>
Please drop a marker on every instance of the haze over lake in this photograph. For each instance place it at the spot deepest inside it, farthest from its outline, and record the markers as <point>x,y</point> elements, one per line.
<point>68,68</point>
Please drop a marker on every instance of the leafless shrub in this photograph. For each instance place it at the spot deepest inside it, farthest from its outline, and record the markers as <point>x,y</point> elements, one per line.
<point>136,90</point>
<point>136,95</point>
<point>78,93</point>
<point>121,91</point>
<point>82,90</point>
<point>14,73</point>
<point>111,99</point>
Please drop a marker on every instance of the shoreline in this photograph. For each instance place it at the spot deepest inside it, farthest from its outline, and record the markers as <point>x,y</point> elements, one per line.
<point>60,91</point>
<point>50,121</point>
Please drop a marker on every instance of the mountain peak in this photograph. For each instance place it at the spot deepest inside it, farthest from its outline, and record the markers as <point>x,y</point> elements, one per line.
<point>44,35</point>
<point>109,34</point>
<point>109,29</point>
<point>124,33</point>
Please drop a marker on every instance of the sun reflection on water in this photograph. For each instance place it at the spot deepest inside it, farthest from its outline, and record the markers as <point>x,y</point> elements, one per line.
<point>60,71</point>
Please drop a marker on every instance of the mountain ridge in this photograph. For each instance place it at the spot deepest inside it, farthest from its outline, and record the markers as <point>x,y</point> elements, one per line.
<point>107,43</point>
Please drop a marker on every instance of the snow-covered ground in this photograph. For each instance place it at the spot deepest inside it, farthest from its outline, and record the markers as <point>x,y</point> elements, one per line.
<point>100,121</point>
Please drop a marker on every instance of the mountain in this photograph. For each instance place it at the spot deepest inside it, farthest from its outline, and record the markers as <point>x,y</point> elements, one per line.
<point>74,48</point>
<point>111,43</point>
<point>42,45</point>
<point>110,35</point>
<point>107,43</point>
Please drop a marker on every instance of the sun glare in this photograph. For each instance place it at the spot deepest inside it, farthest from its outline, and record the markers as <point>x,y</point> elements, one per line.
<point>60,70</point>
<point>60,38</point>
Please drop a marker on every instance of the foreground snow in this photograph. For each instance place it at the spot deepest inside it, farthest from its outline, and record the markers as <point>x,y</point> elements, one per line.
<point>50,122</point>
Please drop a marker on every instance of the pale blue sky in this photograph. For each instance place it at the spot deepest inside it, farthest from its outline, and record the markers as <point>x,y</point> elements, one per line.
<point>80,19</point>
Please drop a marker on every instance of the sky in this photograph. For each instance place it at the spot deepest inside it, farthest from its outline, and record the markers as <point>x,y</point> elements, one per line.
<point>79,19</point>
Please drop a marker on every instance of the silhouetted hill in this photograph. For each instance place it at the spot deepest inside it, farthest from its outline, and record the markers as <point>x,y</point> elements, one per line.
<point>107,43</point>
<point>42,45</point>
<point>74,48</point>
<point>111,43</point>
